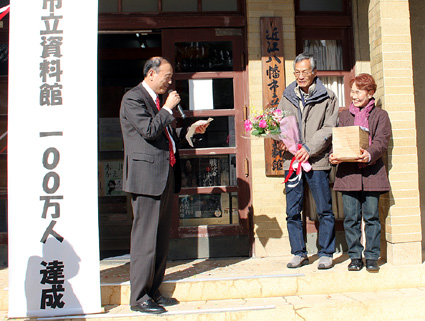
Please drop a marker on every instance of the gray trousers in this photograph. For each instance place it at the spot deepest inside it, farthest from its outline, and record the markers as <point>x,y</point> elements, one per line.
<point>150,237</point>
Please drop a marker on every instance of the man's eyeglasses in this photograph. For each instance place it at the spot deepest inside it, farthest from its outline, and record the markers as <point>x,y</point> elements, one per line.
<point>304,73</point>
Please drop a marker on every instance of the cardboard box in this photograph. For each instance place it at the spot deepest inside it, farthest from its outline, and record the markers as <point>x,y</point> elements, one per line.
<point>347,142</point>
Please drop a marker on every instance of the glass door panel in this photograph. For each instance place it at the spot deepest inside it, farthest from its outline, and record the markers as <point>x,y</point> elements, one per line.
<point>208,171</point>
<point>209,78</point>
<point>208,209</point>
<point>220,133</point>
<point>206,93</point>
<point>196,56</point>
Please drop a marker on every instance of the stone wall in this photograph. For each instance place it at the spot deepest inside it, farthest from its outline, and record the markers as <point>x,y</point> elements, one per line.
<point>391,65</point>
<point>270,233</point>
<point>417,26</point>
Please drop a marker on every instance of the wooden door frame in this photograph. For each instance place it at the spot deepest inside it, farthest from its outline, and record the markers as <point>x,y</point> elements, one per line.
<point>242,148</point>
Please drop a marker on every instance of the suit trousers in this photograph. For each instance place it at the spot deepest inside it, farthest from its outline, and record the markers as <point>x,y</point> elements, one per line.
<point>150,237</point>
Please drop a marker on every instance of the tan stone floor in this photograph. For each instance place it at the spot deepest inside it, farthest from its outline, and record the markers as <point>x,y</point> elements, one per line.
<point>116,270</point>
<point>4,277</point>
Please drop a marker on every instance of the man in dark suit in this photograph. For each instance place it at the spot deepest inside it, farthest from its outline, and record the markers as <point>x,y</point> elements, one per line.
<point>152,175</point>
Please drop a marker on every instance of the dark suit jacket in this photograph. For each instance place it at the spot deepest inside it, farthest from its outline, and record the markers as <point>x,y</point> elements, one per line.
<point>146,151</point>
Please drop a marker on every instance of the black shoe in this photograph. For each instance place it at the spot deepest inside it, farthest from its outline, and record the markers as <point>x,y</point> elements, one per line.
<point>149,306</point>
<point>372,266</point>
<point>166,301</point>
<point>355,265</point>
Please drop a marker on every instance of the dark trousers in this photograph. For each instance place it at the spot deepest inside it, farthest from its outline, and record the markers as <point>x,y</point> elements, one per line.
<point>149,242</point>
<point>318,182</point>
<point>358,204</point>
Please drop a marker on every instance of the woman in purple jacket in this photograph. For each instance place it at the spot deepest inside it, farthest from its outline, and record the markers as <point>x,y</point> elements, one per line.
<point>363,181</point>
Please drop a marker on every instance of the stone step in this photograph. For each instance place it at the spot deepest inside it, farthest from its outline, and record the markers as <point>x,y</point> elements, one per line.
<point>4,299</point>
<point>263,288</point>
<point>293,283</point>
<point>388,305</point>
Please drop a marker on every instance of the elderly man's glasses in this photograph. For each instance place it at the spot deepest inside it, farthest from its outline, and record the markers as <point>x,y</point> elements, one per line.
<point>304,73</point>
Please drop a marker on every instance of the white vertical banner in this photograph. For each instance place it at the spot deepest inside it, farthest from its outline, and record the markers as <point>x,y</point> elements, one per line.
<point>52,158</point>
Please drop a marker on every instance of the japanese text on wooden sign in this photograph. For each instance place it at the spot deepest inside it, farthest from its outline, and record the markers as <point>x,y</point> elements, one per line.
<point>273,75</point>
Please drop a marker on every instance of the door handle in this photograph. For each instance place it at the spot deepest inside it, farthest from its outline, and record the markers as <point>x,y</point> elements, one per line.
<point>246,167</point>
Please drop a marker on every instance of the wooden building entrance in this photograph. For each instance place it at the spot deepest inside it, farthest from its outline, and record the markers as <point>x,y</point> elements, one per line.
<point>212,212</point>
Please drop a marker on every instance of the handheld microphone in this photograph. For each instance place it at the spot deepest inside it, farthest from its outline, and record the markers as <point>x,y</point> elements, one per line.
<point>179,108</point>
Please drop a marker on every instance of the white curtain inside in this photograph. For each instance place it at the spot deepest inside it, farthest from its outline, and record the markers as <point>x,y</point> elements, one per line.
<point>328,53</point>
<point>336,84</point>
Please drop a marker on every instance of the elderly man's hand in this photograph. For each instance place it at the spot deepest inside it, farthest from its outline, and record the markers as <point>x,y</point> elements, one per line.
<point>281,145</point>
<point>302,155</point>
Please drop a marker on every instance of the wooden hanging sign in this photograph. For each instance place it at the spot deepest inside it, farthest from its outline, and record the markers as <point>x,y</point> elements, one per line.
<point>273,76</point>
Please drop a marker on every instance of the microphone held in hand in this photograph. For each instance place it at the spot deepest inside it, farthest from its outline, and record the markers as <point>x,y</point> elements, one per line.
<point>179,108</point>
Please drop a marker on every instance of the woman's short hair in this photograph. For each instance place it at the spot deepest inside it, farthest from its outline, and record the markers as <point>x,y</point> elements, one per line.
<point>364,82</point>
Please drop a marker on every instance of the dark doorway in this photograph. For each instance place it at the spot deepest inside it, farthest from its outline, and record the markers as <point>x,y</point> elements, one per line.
<point>120,67</point>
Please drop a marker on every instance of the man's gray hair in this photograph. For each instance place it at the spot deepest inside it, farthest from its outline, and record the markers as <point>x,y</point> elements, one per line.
<point>153,64</point>
<point>304,56</point>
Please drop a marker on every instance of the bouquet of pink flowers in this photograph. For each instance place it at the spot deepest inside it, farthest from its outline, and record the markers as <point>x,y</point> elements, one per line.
<point>279,125</point>
<point>265,124</point>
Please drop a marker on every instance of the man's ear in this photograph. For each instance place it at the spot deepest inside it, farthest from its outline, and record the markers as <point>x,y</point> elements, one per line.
<point>151,74</point>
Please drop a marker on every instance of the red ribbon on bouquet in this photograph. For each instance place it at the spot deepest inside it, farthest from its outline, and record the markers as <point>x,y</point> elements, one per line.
<point>289,134</point>
<point>291,166</point>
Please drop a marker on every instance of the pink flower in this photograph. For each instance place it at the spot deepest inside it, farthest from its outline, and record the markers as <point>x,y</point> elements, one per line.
<point>277,111</point>
<point>248,125</point>
<point>262,124</point>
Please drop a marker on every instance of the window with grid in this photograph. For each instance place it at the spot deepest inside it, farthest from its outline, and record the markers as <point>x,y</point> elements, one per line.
<point>324,29</point>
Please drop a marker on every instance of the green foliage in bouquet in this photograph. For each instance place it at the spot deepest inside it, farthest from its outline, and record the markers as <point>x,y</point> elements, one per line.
<point>265,123</point>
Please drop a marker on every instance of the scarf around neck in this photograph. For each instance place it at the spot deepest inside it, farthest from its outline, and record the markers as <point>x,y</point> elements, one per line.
<point>361,115</point>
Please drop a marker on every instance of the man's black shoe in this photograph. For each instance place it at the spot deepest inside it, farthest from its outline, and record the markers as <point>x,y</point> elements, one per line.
<point>355,265</point>
<point>372,266</point>
<point>166,301</point>
<point>149,306</point>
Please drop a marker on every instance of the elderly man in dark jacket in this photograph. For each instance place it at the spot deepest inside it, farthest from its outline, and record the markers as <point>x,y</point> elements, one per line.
<point>317,113</point>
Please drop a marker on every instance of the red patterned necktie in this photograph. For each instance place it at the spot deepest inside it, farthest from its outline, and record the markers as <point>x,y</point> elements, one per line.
<point>170,144</point>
